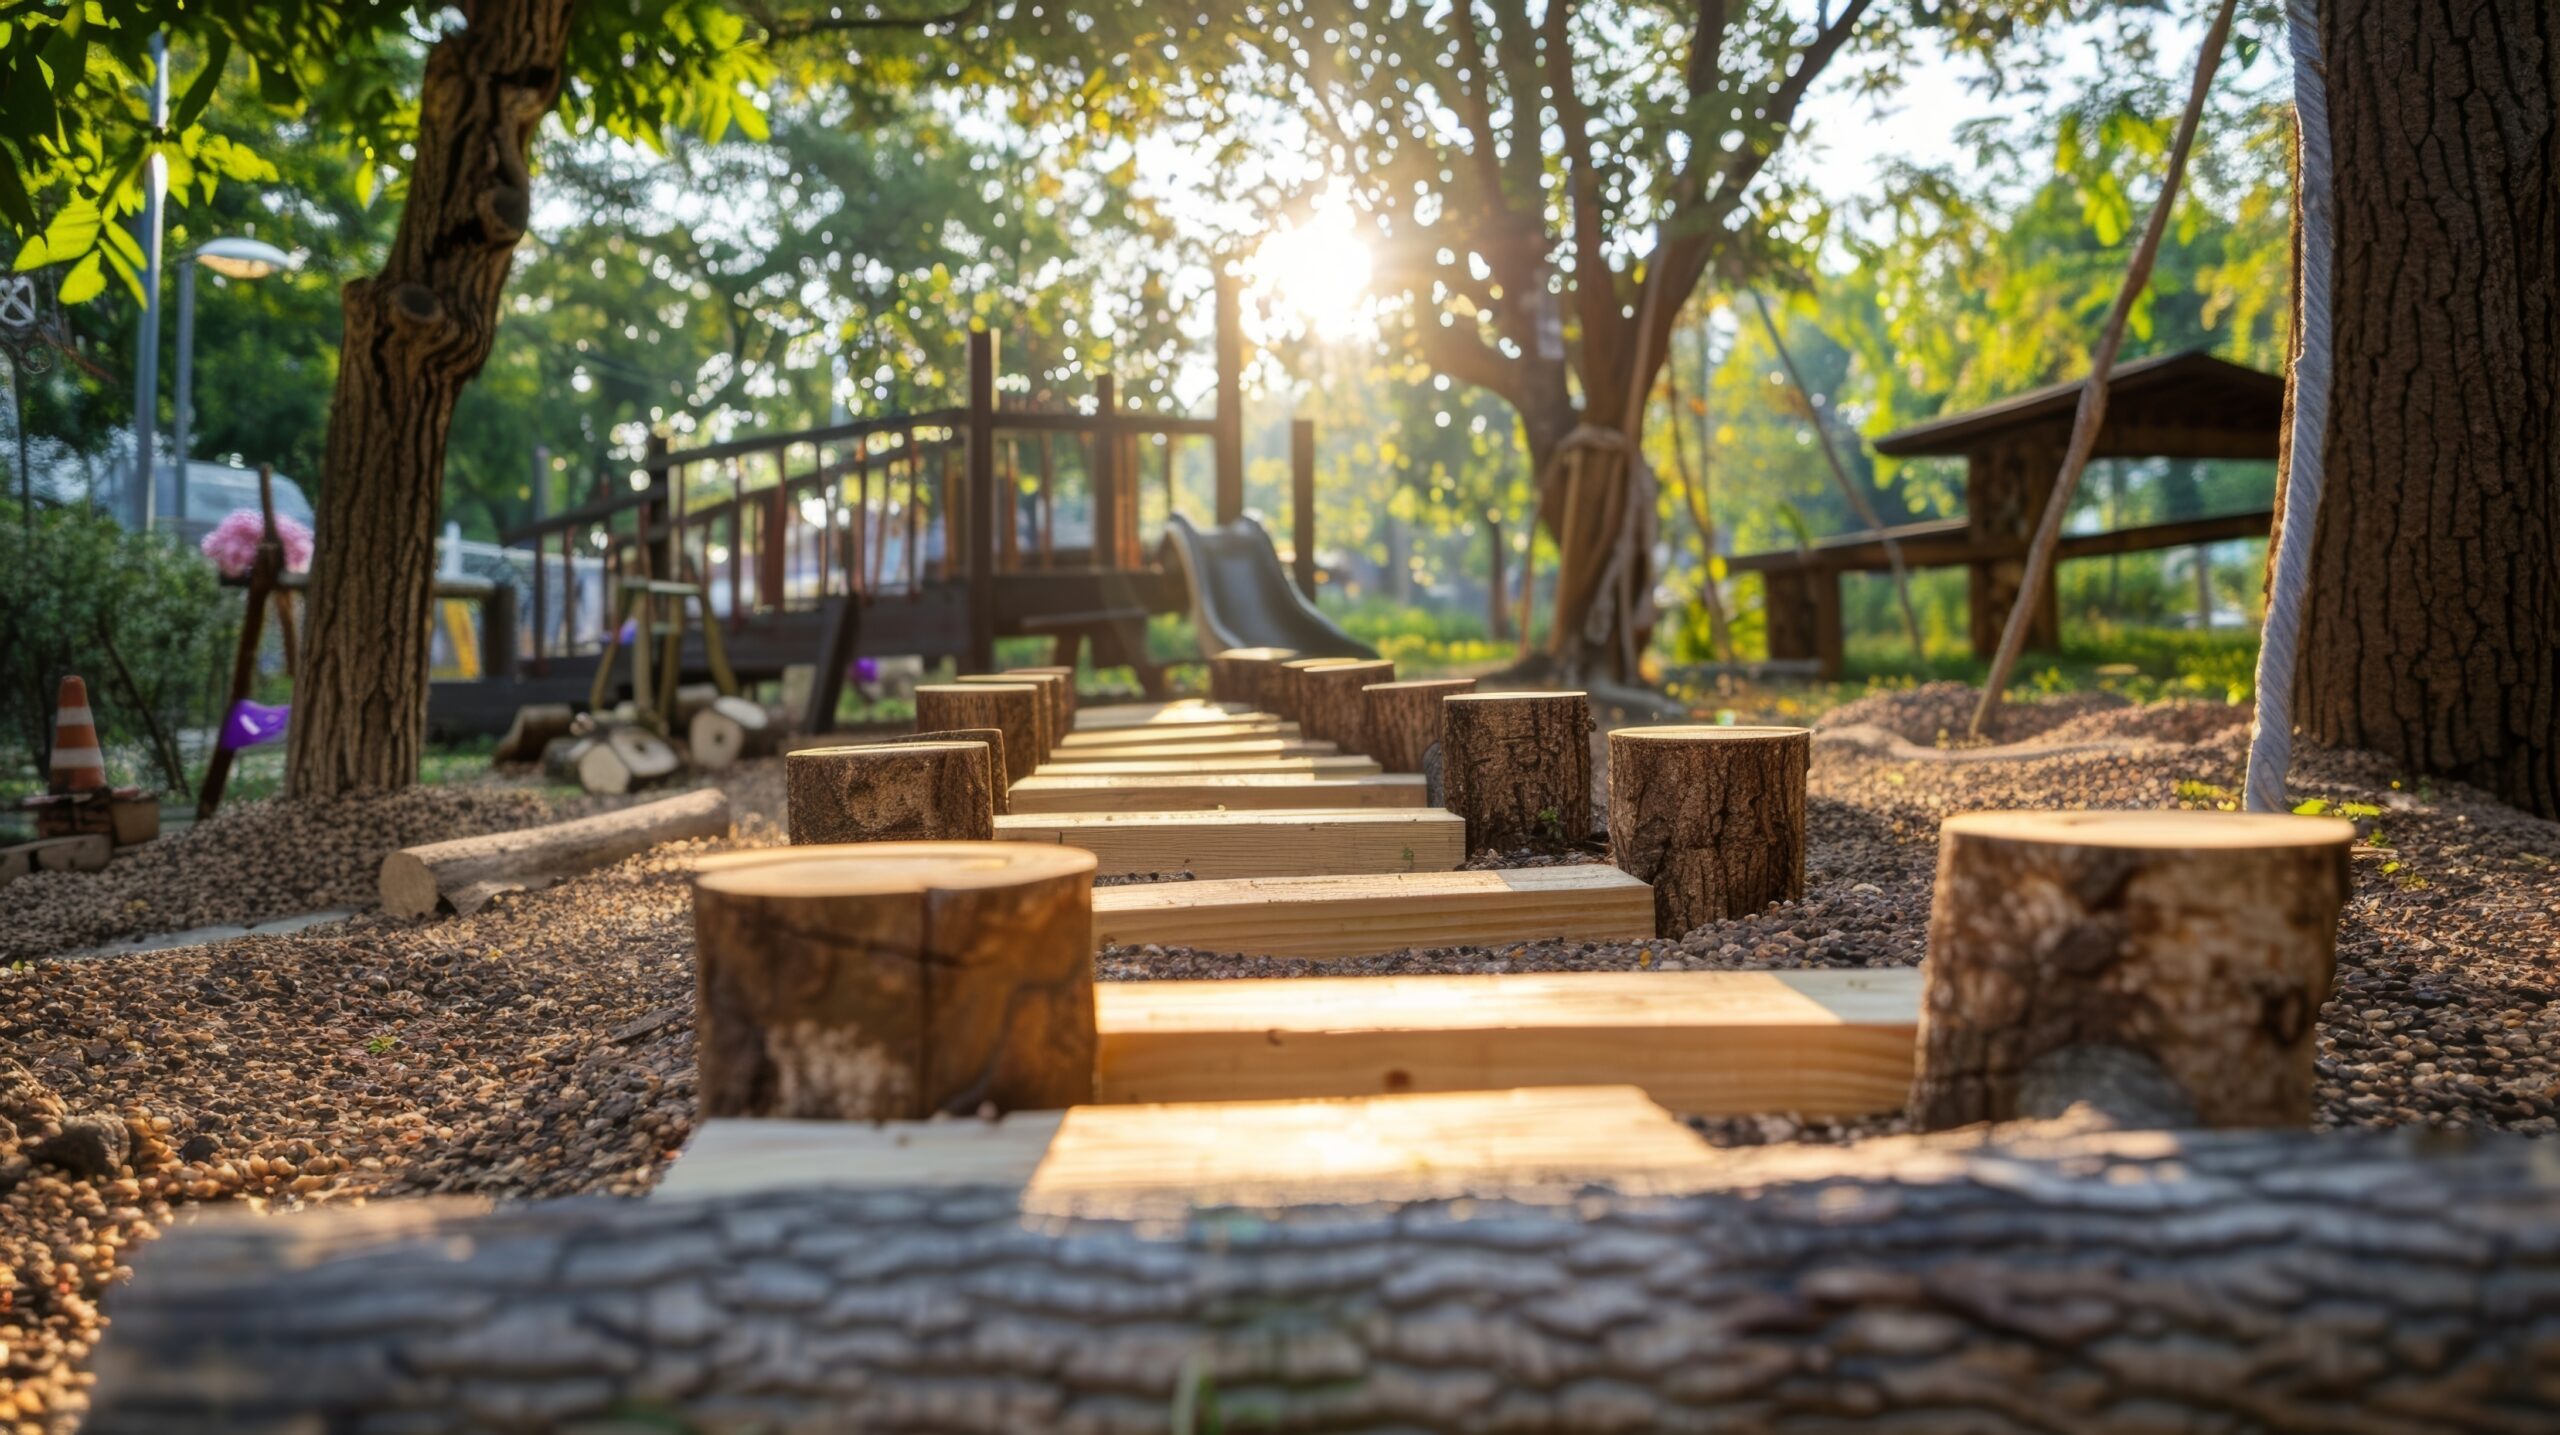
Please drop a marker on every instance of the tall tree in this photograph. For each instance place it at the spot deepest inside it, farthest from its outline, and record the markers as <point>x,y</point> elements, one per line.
<point>2431,624</point>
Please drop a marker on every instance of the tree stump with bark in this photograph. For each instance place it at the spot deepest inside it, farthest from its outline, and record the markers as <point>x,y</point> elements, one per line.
<point>2188,953</point>
<point>1245,675</point>
<point>1713,817</point>
<point>1402,720</point>
<point>1066,694</point>
<point>1052,690</point>
<point>1285,692</point>
<point>1011,708</point>
<point>1330,708</point>
<point>992,738</point>
<point>894,792</point>
<point>1517,767</point>
<point>896,981</point>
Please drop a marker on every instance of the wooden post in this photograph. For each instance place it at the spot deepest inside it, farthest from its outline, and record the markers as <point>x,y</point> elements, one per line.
<point>1053,702</point>
<point>1230,416</point>
<point>2170,965</point>
<point>1244,675</point>
<point>1302,505</point>
<point>1012,707</point>
<point>498,632</point>
<point>981,502</point>
<point>1713,817</point>
<point>992,739</point>
<point>1403,719</point>
<point>1283,692</point>
<point>1104,457</point>
<point>895,792</point>
<point>1517,767</point>
<point>895,981</point>
<point>1066,711</point>
<point>1330,708</point>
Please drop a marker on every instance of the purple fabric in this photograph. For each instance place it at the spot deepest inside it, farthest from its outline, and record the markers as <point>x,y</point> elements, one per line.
<point>253,725</point>
<point>866,670</point>
<point>630,630</point>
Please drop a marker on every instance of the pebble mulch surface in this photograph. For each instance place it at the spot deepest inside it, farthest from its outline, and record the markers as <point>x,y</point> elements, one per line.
<point>545,1045</point>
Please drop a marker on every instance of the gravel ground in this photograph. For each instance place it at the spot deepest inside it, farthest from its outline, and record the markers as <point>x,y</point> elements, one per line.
<point>545,1046</point>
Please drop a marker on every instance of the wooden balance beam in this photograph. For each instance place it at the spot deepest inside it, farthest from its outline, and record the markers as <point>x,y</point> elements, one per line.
<point>1058,792</point>
<point>1168,714</point>
<point>1811,1043</point>
<point>1353,916</point>
<point>1280,843</point>
<point>1183,735</point>
<point>1168,764</point>
<point>1224,747</point>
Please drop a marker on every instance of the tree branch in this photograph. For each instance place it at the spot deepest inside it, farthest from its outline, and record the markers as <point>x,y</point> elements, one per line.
<point>780,29</point>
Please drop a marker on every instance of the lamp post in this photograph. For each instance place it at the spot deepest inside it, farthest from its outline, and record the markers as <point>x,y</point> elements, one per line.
<point>146,358</point>
<point>232,259</point>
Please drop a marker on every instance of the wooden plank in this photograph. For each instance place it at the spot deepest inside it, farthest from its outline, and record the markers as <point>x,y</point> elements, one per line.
<point>1213,747</point>
<point>1107,716</point>
<point>1353,916</point>
<point>1048,792</point>
<point>1254,844</point>
<point>1260,729</point>
<point>1210,1154</point>
<point>1814,1043</point>
<point>1170,765</point>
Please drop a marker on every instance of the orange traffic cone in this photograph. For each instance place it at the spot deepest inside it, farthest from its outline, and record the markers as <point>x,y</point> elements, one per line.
<point>78,765</point>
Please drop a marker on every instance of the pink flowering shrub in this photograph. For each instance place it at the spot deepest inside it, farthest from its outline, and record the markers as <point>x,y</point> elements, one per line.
<point>233,543</point>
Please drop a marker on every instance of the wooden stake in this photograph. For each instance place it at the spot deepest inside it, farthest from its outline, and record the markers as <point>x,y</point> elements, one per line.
<point>1517,767</point>
<point>1330,707</point>
<point>992,738</point>
<point>1014,708</point>
<point>1052,709</point>
<point>902,792</point>
<point>1402,721</point>
<point>895,981</point>
<point>1242,675</point>
<point>1713,817</point>
<point>2169,966</point>
<point>468,872</point>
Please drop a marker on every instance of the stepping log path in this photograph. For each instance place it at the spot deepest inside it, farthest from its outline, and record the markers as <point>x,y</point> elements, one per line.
<point>1354,916</point>
<point>1280,843</point>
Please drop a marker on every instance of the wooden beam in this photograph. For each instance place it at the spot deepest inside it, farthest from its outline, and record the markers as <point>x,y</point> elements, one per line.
<point>1211,747</point>
<point>1354,916</point>
<point>1179,710</point>
<point>1258,729</point>
<point>1254,844</point>
<point>1812,1043</point>
<point>1178,763</point>
<point>1045,792</point>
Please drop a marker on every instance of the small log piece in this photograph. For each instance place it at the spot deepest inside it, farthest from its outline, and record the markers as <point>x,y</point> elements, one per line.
<point>622,758</point>
<point>535,725</point>
<point>1330,708</point>
<point>1066,692</point>
<point>1713,817</point>
<point>1402,721</point>
<point>1284,691</point>
<point>1054,718</point>
<point>693,698</point>
<point>1243,675</point>
<point>560,757</point>
<point>895,981</point>
<point>1517,767</point>
<point>895,792</point>
<point>2066,948</point>
<point>993,738</point>
<point>468,871</point>
<point>1013,708</point>
<point>727,730</point>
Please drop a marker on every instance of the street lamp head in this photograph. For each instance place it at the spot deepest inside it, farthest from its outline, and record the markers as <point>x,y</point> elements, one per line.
<point>241,258</point>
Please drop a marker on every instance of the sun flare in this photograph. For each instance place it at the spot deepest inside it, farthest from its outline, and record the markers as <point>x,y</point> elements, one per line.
<point>1317,270</point>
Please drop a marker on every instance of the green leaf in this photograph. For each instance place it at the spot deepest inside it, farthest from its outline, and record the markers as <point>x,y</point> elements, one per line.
<point>2311,807</point>
<point>86,281</point>
<point>200,91</point>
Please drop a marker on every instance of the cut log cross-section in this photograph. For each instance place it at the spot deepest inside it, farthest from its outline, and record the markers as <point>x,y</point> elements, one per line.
<point>1244,675</point>
<point>895,981</point>
<point>1402,721</point>
<point>2168,967</point>
<point>1054,717</point>
<point>893,792</point>
<point>1713,817</point>
<point>1013,708</point>
<point>1517,767</point>
<point>726,730</point>
<point>622,758</point>
<point>993,738</point>
<point>467,872</point>
<point>1285,693</point>
<point>1330,707</point>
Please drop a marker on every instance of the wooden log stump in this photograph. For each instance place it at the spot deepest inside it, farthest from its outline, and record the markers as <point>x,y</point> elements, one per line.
<point>2067,949</point>
<point>1713,817</point>
<point>469,872</point>
<point>1053,702</point>
<point>1012,708</point>
<point>893,792</point>
<point>993,738</point>
<point>622,758</point>
<point>535,725</point>
<point>1402,720</point>
<point>1241,675</point>
<point>1517,767</point>
<point>1066,694</point>
<point>895,981</point>
<point>1330,708</point>
<point>1284,691</point>
<point>727,730</point>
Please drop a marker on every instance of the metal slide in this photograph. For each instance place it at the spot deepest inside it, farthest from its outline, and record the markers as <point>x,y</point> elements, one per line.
<point>1242,598</point>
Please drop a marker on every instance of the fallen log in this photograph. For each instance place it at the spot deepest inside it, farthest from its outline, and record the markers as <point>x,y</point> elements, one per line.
<point>1713,817</point>
<point>2034,1279</point>
<point>467,872</point>
<point>727,730</point>
<point>892,792</point>
<point>535,725</point>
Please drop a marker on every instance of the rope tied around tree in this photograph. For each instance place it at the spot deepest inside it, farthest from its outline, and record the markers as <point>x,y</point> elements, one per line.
<point>1635,525</point>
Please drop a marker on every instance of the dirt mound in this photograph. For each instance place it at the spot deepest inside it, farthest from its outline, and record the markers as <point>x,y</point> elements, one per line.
<point>2179,722</point>
<point>1938,713</point>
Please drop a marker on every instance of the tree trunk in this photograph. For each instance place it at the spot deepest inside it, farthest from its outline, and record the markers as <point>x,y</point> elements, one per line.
<point>896,792</point>
<point>1517,767</point>
<point>1013,709</point>
<point>1604,571</point>
<point>1403,719</point>
<point>1330,708</point>
<point>2192,950</point>
<point>903,981</point>
<point>2033,1279</point>
<point>1713,817</point>
<point>2431,626</point>
<point>416,333</point>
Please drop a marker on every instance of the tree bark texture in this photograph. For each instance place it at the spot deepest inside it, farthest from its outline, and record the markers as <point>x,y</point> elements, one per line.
<point>1055,719</point>
<point>1013,709</point>
<point>1241,675</point>
<point>2431,630</point>
<point>897,792</point>
<point>2003,1284</point>
<point>1713,817</point>
<point>1285,691</point>
<point>1330,707</point>
<point>416,333</point>
<point>1066,692</point>
<point>2201,943</point>
<point>1517,767</point>
<point>993,738</point>
<point>469,871</point>
<point>1402,720</point>
<point>895,981</point>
